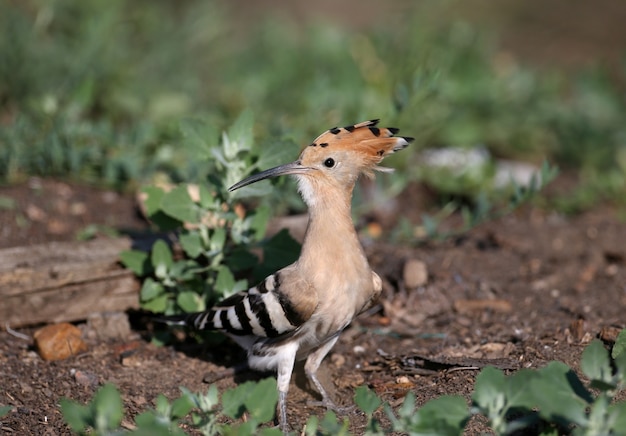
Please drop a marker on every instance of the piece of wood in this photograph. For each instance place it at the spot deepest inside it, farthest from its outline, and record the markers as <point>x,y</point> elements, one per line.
<point>64,281</point>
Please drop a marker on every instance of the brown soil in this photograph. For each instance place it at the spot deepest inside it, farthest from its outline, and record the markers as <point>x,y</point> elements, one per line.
<point>519,292</point>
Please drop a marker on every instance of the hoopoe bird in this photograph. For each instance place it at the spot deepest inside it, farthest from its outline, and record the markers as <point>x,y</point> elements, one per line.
<point>299,311</point>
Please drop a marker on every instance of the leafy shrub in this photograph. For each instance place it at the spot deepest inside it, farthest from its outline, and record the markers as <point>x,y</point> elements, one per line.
<point>213,230</point>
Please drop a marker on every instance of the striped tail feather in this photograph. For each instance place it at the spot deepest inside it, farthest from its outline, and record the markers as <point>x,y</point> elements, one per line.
<point>260,311</point>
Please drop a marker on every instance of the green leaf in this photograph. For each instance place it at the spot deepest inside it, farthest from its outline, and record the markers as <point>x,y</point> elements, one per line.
<point>259,220</point>
<point>218,239</point>
<point>518,394</point>
<point>233,400</point>
<point>109,409</point>
<point>190,301</point>
<point>310,428</point>
<point>161,258</point>
<point>598,422</point>
<point>248,428</point>
<point>261,400</point>
<point>240,259</point>
<point>152,203</point>
<point>366,400</point>
<point>4,410</point>
<point>149,424</point>
<point>178,204</point>
<point>76,415</point>
<point>278,252</point>
<point>561,396</point>
<point>225,280</point>
<point>620,344</point>
<point>617,417</point>
<point>151,289</point>
<point>270,431</point>
<point>596,365</point>
<point>181,407</point>
<point>489,390</point>
<point>156,305</point>
<point>446,414</point>
<point>408,405</point>
<point>191,243</point>
<point>620,364</point>
<point>330,425</point>
<point>163,407</point>
<point>199,137</point>
<point>208,199</point>
<point>146,419</point>
<point>239,137</point>
<point>136,261</point>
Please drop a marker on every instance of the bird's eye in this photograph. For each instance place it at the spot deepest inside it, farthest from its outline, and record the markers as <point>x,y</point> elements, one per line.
<point>329,163</point>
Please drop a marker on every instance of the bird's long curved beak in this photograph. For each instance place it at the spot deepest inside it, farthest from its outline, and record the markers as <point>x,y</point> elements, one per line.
<point>290,168</point>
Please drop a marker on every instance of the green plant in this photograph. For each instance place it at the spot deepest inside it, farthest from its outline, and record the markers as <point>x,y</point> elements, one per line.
<point>554,399</point>
<point>214,233</point>
<point>103,415</point>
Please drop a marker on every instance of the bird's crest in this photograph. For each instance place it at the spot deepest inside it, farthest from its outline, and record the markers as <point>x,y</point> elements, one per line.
<point>368,143</point>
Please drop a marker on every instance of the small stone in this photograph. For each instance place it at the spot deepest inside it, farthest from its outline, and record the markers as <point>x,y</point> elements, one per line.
<point>358,349</point>
<point>403,380</point>
<point>415,273</point>
<point>384,321</point>
<point>132,360</point>
<point>375,230</point>
<point>85,378</point>
<point>59,341</point>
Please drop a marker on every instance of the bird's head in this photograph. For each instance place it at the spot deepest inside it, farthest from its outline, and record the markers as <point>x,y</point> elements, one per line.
<point>336,158</point>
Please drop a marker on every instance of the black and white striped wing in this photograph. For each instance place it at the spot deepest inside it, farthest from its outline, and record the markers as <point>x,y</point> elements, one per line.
<point>263,310</point>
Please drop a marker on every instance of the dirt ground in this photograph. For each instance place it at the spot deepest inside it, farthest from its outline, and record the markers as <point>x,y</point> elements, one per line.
<point>529,288</point>
<point>515,293</point>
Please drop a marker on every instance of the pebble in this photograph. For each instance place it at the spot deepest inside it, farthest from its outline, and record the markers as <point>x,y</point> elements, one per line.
<point>358,349</point>
<point>85,378</point>
<point>59,341</point>
<point>415,273</point>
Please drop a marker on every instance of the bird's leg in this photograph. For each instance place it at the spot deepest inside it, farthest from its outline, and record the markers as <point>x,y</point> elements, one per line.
<point>311,366</point>
<point>284,370</point>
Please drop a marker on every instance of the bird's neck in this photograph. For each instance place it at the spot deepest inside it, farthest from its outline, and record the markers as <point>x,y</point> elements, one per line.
<point>331,238</point>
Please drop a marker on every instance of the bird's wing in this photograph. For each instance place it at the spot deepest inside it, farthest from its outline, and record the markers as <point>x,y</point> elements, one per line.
<point>275,307</point>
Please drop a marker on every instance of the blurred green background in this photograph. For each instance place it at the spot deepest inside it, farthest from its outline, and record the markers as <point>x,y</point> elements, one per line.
<point>95,91</point>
